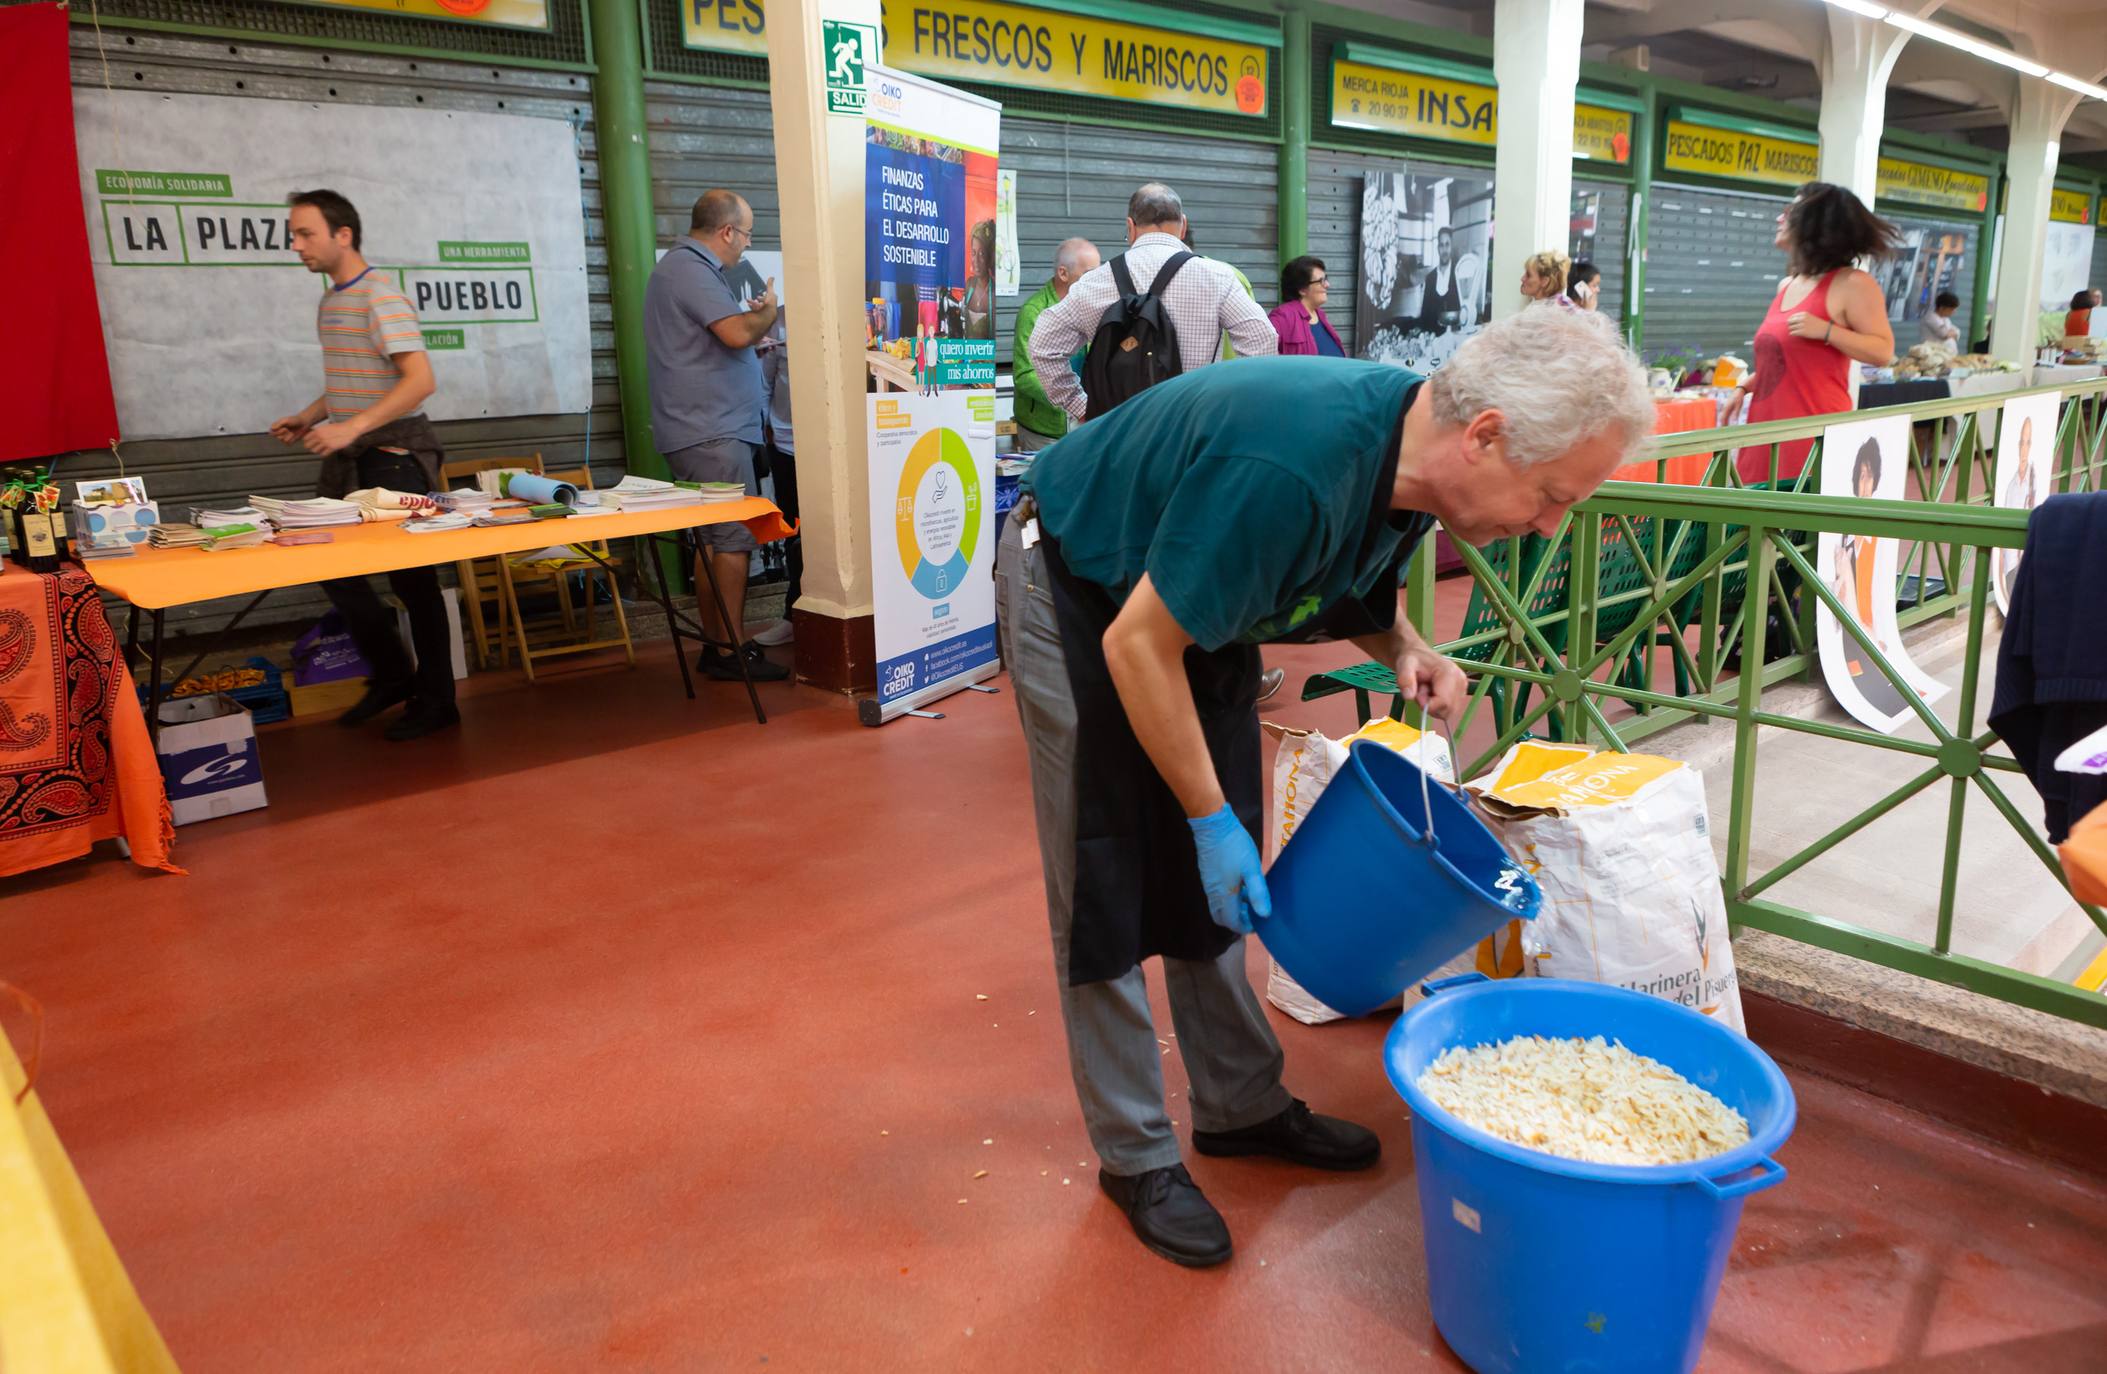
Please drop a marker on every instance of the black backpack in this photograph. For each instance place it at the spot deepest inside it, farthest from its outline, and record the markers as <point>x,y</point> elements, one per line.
<point>1136,345</point>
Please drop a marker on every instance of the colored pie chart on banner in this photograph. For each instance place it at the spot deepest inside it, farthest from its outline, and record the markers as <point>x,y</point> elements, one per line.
<point>937,516</point>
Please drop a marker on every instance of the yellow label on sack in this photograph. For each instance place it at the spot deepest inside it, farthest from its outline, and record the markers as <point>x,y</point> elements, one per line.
<point>1394,735</point>
<point>1601,780</point>
<point>1531,759</point>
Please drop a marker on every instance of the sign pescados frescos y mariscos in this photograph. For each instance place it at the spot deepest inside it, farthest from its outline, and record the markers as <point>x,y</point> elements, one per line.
<point>478,218</point>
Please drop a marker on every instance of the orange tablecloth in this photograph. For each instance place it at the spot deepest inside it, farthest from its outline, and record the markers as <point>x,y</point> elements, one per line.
<point>76,765</point>
<point>156,579</point>
<point>1676,415</point>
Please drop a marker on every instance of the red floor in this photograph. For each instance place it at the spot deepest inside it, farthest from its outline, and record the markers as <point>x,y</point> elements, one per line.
<point>616,1032</point>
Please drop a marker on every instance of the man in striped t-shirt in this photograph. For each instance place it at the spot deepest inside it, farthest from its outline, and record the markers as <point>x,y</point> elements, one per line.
<point>369,432</point>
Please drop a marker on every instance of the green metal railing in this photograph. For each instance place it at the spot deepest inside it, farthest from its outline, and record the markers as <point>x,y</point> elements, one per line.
<point>1650,567</point>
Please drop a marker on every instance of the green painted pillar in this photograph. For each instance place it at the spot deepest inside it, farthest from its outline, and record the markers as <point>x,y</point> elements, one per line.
<point>1295,135</point>
<point>1641,213</point>
<point>1979,305</point>
<point>625,208</point>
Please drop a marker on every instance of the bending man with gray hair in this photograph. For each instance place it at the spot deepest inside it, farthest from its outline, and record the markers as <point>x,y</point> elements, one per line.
<point>1040,421</point>
<point>1204,301</point>
<point>1272,500</point>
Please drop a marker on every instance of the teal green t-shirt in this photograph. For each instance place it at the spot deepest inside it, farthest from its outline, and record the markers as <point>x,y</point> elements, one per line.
<point>1255,494</point>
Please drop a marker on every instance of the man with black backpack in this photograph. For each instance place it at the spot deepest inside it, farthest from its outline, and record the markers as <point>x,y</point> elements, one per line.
<point>1148,315</point>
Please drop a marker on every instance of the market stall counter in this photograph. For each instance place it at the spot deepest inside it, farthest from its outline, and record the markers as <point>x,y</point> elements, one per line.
<point>155,580</point>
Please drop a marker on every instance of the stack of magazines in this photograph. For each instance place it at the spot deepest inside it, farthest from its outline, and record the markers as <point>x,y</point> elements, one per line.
<point>648,493</point>
<point>312,513</point>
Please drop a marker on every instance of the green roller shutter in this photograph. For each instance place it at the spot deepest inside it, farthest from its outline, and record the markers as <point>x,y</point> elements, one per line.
<point>1712,269</point>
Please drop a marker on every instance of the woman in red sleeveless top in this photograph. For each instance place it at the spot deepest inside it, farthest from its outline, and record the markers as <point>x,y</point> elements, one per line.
<point>1827,315</point>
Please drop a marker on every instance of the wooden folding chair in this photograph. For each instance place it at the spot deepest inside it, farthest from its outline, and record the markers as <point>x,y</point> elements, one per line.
<point>481,579</point>
<point>550,640</point>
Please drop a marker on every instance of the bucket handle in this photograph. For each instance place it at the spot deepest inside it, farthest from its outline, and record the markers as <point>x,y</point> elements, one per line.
<point>1440,985</point>
<point>1426,794</point>
<point>1767,1172</point>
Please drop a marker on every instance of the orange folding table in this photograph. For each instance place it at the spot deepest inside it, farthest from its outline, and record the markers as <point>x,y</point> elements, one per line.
<point>153,580</point>
<point>1676,415</point>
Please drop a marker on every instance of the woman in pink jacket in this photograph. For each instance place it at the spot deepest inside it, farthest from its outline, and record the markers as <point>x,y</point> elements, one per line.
<point>1299,318</point>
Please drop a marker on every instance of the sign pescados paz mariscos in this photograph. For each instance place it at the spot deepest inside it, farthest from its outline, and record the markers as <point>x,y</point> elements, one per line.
<point>1739,156</point>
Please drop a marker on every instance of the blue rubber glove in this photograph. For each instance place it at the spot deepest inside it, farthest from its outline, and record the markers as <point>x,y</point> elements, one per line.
<point>1230,871</point>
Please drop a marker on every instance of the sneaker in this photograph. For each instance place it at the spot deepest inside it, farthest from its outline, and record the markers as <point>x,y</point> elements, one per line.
<point>1170,1215</point>
<point>776,635</point>
<point>378,698</point>
<point>714,662</point>
<point>421,720</point>
<point>1299,1136</point>
<point>1269,682</point>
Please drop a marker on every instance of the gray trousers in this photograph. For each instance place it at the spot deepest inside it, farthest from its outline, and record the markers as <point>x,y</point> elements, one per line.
<point>1229,1050</point>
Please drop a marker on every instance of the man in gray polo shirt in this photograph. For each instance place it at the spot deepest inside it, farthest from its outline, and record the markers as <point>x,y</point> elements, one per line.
<point>708,397</point>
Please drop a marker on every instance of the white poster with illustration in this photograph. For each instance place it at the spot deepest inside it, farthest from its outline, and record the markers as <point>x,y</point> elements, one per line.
<point>2026,460</point>
<point>1866,458</point>
<point>1009,268</point>
<point>209,314</point>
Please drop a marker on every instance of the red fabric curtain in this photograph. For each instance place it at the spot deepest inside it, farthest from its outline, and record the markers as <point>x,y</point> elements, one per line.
<point>54,375</point>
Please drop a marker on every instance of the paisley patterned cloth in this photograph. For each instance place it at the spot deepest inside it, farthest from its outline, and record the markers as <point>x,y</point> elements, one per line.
<point>76,763</point>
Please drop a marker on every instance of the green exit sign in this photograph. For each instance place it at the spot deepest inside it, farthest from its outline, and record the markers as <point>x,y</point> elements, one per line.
<point>849,49</point>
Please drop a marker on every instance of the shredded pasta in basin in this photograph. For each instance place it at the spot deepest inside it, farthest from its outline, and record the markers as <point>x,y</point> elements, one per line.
<point>1590,1100</point>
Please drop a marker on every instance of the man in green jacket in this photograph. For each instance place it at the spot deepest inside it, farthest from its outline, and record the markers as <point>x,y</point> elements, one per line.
<point>1040,421</point>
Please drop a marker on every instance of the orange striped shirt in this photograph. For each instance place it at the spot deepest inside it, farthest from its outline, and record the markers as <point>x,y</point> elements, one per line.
<point>362,327</point>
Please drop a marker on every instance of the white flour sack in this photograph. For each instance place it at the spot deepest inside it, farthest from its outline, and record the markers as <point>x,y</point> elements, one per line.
<point>1621,846</point>
<point>1304,764</point>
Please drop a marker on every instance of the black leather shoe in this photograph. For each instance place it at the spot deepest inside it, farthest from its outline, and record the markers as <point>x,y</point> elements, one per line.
<point>378,698</point>
<point>1170,1215</point>
<point>1299,1136</point>
<point>421,720</point>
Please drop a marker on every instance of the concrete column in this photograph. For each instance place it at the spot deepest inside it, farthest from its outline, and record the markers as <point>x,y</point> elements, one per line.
<point>1536,61</point>
<point>1855,63</point>
<point>2030,172</point>
<point>819,182</point>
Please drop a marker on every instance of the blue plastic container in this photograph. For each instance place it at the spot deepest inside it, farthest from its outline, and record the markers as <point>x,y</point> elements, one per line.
<point>1555,1266</point>
<point>1365,904</point>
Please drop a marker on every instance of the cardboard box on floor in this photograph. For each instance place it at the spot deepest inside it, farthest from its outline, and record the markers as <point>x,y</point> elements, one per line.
<point>209,758</point>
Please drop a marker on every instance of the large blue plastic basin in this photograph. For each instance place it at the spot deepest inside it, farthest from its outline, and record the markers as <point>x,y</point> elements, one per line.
<point>1556,1266</point>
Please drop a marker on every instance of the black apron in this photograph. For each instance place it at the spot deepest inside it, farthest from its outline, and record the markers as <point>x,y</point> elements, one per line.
<point>1137,875</point>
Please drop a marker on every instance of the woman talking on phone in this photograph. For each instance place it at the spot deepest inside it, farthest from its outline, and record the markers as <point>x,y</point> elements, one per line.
<point>1827,315</point>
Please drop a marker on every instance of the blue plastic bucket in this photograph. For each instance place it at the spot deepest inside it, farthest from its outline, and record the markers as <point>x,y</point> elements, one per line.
<point>1555,1266</point>
<point>1365,903</point>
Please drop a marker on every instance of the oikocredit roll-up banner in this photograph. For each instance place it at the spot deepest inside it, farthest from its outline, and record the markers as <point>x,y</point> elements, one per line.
<point>929,297</point>
<point>209,316</point>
